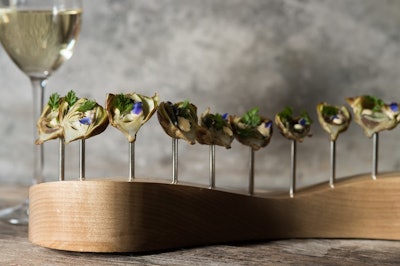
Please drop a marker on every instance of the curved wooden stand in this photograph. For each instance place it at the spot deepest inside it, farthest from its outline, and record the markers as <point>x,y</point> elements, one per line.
<point>121,216</point>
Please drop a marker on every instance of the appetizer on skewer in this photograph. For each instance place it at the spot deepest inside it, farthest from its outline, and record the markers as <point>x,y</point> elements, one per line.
<point>296,129</point>
<point>85,119</point>
<point>251,129</point>
<point>293,127</point>
<point>48,125</point>
<point>128,112</point>
<point>214,130</point>
<point>179,120</point>
<point>373,115</point>
<point>333,119</point>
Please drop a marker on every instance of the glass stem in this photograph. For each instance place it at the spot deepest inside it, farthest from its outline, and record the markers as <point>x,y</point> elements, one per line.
<point>38,89</point>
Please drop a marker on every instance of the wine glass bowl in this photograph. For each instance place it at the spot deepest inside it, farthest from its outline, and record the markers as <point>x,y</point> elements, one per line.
<point>39,36</point>
<point>39,41</point>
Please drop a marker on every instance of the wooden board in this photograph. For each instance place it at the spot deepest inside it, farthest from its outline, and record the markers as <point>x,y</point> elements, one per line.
<point>119,216</point>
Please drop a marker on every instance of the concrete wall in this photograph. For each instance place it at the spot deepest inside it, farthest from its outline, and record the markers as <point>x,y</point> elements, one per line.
<point>229,55</point>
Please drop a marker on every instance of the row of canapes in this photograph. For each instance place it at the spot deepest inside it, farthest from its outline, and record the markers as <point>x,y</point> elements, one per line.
<point>70,118</point>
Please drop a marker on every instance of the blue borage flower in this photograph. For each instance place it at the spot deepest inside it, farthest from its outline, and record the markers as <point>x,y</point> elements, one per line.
<point>394,107</point>
<point>303,122</point>
<point>137,108</point>
<point>85,120</point>
<point>268,124</point>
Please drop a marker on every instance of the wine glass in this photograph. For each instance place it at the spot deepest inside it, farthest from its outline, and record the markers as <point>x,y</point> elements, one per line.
<point>38,35</point>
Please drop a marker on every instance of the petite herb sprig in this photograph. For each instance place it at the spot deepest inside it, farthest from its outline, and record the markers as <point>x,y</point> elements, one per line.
<point>216,121</point>
<point>54,101</point>
<point>329,111</point>
<point>373,103</point>
<point>71,98</point>
<point>86,106</point>
<point>123,104</point>
<point>251,118</point>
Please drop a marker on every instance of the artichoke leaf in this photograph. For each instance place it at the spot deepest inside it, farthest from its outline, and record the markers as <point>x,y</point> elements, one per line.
<point>141,110</point>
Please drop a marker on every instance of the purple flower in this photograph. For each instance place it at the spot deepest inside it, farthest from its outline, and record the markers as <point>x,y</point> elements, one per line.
<point>394,107</point>
<point>303,122</point>
<point>268,124</point>
<point>225,116</point>
<point>85,120</point>
<point>137,108</point>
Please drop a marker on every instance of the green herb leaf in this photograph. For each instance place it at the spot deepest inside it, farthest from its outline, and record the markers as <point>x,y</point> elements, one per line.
<point>71,98</point>
<point>329,111</point>
<point>123,103</point>
<point>305,115</point>
<point>286,114</point>
<point>251,118</point>
<point>214,121</point>
<point>54,101</point>
<point>373,103</point>
<point>86,106</point>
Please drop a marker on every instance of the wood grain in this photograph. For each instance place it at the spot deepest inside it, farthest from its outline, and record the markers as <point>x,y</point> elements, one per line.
<point>118,216</point>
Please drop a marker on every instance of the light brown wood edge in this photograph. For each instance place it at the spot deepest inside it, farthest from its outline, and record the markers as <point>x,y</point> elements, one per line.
<point>121,216</point>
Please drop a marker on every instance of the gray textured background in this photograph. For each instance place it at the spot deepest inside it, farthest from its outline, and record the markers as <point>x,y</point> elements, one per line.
<point>229,55</point>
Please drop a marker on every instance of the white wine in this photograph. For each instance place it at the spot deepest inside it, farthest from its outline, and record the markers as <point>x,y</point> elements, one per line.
<point>39,41</point>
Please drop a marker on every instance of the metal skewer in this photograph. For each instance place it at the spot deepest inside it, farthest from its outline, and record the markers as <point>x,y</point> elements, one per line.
<point>131,161</point>
<point>212,166</point>
<point>61,158</point>
<point>82,159</point>
<point>333,164</point>
<point>251,172</point>
<point>293,166</point>
<point>375,155</point>
<point>174,160</point>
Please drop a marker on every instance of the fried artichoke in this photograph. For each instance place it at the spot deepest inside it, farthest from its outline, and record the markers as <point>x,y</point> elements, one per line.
<point>373,115</point>
<point>48,125</point>
<point>251,129</point>
<point>179,120</point>
<point>333,119</point>
<point>214,130</point>
<point>294,128</point>
<point>84,119</point>
<point>130,111</point>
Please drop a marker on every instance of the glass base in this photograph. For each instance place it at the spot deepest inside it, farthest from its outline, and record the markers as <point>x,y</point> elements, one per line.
<point>17,215</point>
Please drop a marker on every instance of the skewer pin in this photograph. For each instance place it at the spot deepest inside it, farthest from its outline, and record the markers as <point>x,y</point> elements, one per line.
<point>293,168</point>
<point>332,178</point>
<point>174,160</point>
<point>375,150</point>
<point>61,158</point>
<point>212,167</point>
<point>251,172</point>
<point>131,161</point>
<point>82,154</point>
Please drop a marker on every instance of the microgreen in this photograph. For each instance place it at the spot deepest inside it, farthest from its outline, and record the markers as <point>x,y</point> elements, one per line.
<point>216,121</point>
<point>86,106</point>
<point>329,111</point>
<point>71,98</point>
<point>251,118</point>
<point>123,104</point>
<point>373,103</point>
<point>54,101</point>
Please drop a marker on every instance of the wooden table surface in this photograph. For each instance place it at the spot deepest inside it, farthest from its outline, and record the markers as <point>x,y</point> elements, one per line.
<point>15,249</point>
